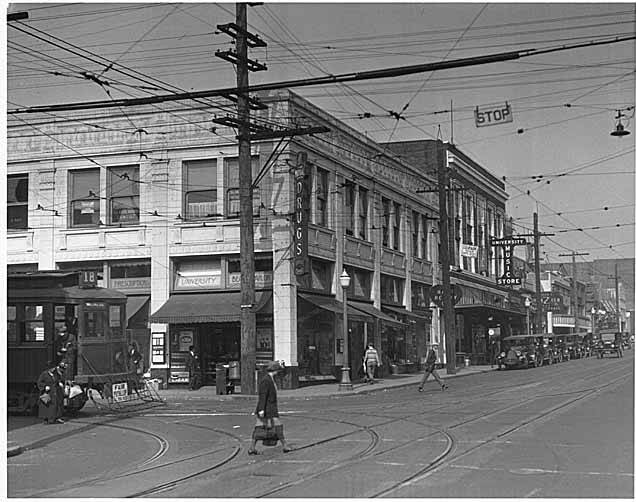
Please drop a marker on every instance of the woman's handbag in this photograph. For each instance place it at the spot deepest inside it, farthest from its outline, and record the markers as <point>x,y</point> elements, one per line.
<point>45,398</point>
<point>267,433</point>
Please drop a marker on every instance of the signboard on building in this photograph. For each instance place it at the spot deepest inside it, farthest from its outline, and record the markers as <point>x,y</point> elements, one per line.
<point>508,278</point>
<point>301,217</point>
<point>493,115</point>
<point>469,251</point>
<point>131,283</point>
<point>552,302</point>
<point>120,391</point>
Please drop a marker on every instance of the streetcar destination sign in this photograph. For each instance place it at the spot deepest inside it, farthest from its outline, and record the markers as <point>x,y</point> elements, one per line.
<point>493,115</point>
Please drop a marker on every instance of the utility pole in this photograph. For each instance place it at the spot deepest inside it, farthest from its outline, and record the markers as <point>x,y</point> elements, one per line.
<point>447,297</point>
<point>574,291</point>
<point>537,274</point>
<point>244,65</point>
<point>536,235</point>
<point>248,316</point>
<point>618,304</point>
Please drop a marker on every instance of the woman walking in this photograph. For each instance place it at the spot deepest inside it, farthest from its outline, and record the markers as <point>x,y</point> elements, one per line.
<point>429,369</point>
<point>51,401</point>
<point>268,425</point>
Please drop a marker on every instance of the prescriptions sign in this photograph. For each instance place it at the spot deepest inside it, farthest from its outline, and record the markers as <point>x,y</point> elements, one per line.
<point>493,115</point>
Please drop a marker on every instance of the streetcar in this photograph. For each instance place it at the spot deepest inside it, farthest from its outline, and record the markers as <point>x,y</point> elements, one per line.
<point>43,306</point>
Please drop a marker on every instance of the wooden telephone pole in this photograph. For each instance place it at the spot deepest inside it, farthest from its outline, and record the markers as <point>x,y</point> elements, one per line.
<point>574,291</point>
<point>536,235</point>
<point>618,304</point>
<point>447,297</point>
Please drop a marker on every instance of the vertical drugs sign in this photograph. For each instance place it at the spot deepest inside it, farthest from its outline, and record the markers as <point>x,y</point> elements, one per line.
<point>301,216</point>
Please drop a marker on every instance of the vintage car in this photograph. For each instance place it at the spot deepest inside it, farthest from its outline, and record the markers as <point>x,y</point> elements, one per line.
<point>572,345</point>
<point>551,354</point>
<point>523,351</point>
<point>609,343</point>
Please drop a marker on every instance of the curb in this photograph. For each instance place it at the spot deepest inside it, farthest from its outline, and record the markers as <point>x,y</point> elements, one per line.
<point>13,450</point>
<point>364,390</point>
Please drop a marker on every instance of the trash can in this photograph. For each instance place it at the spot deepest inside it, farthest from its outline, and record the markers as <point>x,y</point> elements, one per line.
<point>235,370</point>
<point>221,379</point>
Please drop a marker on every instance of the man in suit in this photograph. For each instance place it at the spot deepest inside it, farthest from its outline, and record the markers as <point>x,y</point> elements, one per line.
<point>194,369</point>
<point>267,409</point>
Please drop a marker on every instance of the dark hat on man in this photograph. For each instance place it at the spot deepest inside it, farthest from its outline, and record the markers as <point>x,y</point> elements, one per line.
<point>273,366</point>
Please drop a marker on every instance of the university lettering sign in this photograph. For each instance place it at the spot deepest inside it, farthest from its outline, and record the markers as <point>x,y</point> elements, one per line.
<point>507,241</point>
<point>301,217</point>
<point>493,115</point>
<point>204,281</point>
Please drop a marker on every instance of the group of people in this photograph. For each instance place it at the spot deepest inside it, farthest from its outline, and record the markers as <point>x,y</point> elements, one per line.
<point>53,381</point>
<point>371,361</point>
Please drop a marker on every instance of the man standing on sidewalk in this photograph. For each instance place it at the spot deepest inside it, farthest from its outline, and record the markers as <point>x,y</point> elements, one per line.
<point>371,362</point>
<point>429,369</point>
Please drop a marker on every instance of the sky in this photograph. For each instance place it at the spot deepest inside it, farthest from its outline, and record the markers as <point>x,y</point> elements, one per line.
<point>557,156</point>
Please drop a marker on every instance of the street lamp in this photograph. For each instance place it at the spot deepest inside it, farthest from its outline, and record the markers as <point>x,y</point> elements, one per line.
<point>527,303</point>
<point>345,380</point>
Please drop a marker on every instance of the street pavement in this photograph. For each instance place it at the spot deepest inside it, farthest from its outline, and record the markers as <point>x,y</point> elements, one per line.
<point>27,432</point>
<point>562,431</point>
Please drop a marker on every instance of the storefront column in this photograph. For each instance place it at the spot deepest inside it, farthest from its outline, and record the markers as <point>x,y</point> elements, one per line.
<point>284,281</point>
<point>45,221</point>
<point>161,269</point>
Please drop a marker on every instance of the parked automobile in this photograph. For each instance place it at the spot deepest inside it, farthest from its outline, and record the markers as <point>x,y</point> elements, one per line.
<point>627,342</point>
<point>610,343</point>
<point>551,353</point>
<point>523,351</point>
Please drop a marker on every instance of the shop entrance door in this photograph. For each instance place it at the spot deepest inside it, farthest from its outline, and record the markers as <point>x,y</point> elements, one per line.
<point>219,343</point>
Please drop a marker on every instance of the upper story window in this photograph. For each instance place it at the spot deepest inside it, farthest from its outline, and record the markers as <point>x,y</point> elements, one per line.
<point>123,195</point>
<point>397,216</point>
<point>424,237</point>
<point>386,219</point>
<point>232,195</point>
<point>18,202</point>
<point>84,198</point>
<point>349,207</point>
<point>322,196</point>
<point>415,228</point>
<point>200,189</point>
<point>363,208</point>
<point>391,289</point>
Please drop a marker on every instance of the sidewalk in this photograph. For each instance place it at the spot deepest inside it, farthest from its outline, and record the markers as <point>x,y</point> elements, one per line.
<point>325,389</point>
<point>35,434</point>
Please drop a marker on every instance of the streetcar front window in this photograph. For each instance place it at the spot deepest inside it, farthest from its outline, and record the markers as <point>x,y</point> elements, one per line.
<point>33,323</point>
<point>94,323</point>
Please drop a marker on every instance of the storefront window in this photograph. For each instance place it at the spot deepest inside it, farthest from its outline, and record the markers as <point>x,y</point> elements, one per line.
<point>322,197</point>
<point>420,294</point>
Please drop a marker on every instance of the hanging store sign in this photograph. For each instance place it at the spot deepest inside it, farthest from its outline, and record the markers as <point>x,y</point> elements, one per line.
<point>469,251</point>
<point>493,115</point>
<point>508,243</point>
<point>301,217</point>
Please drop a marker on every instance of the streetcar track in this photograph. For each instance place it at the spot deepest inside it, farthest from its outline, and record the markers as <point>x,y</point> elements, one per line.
<point>420,474</point>
<point>440,461</point>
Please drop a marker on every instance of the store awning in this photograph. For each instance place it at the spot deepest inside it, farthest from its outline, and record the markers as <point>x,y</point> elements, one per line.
<point>208,307</point>
<point>134,304</point>
<point>332,305</point>
<point>402,311</point>
<point>372,311</point>
<point>481,306</point>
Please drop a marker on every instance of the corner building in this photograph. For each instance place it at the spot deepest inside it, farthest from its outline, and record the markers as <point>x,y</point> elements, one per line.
<point>154,210</point>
